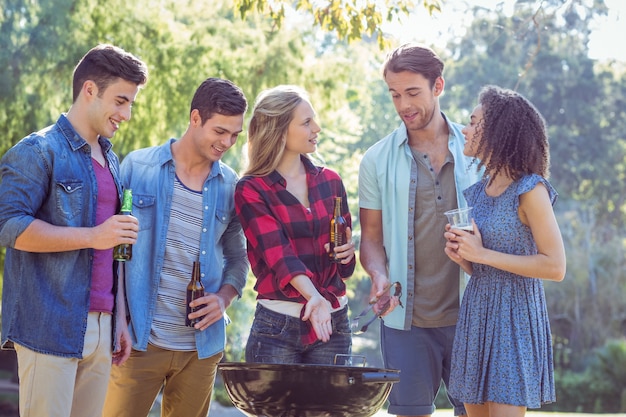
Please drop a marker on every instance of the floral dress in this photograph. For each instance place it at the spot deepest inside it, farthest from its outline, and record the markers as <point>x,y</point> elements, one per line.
<point>503,348</point>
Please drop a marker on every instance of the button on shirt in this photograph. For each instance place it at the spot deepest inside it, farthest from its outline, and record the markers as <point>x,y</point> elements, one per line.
<point>49,176</point>
<point>286,239</point>
<point>385,184</point>
<point>436,276</point>
<point>150,173</point>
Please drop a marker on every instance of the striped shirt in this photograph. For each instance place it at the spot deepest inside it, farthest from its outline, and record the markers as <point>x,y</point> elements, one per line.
<point>182,244</point>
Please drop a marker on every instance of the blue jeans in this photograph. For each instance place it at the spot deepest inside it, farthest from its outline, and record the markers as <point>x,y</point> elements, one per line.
<point>275,338</point>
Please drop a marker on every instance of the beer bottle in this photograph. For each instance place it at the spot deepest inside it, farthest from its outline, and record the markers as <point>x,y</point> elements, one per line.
<point>124,252</point>
<point>337,230</point>
<point>195,290</point>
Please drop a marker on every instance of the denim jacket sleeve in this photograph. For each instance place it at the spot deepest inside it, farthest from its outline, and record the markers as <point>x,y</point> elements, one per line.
<point>230,248</point>
<point>47,176</point>
<point>23,188</point>
<point>236,263</point>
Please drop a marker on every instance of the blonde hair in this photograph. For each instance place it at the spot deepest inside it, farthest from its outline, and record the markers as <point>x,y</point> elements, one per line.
<point>273,112</point>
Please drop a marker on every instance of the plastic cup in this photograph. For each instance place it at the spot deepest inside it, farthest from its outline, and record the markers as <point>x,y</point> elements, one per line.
<point>460,219</point>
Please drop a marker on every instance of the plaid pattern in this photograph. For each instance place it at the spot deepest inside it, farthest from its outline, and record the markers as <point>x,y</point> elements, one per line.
<point>285,239</point>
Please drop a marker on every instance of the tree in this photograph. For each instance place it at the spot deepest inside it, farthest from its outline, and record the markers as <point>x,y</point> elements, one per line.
<point>582,102</point>
<point>348,19</point>
<point>182,44</point>
<point>540,50</point>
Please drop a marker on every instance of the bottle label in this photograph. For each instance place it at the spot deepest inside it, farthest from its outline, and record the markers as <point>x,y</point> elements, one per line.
<point>127,201</point>
<point>337,230</point>
<point>124,252</point>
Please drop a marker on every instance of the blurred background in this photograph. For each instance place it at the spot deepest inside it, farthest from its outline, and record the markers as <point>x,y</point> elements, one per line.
<point>567,57</point>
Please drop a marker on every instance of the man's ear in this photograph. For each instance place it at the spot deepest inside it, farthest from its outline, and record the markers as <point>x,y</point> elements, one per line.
<point>438,87</point>
<point>90,89</point>
<point>195,119</point>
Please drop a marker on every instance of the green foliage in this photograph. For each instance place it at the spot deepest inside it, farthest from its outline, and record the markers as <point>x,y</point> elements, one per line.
<point>601,388</point>
<point>539,50</point>
<point>348,19</point>
<point>220,394</point>
<point>594,288</point>
<point>582,102</point>
<point>241,313</point>
<point>610,366</point>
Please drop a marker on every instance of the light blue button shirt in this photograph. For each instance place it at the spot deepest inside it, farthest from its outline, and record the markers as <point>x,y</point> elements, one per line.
<point>385,184</point>
<point>150,173</point>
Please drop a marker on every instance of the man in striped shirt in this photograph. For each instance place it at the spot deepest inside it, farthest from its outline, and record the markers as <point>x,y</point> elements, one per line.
<point>183,198</point>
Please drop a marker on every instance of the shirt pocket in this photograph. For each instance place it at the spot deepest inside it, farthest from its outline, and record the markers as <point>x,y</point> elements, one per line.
<point>222,217</point>
<point>69,195</point>
<point>144,207</point>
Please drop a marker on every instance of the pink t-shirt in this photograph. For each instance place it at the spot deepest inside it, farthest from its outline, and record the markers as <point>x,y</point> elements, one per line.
<point>101,295</point>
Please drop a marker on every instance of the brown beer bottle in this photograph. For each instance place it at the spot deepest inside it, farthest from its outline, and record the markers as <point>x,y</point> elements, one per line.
<point>195,290</point>
<point>337,230</point>
<point>124,252</point>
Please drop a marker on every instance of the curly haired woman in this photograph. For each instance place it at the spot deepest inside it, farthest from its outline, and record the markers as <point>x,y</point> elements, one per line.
<point>502,360</point>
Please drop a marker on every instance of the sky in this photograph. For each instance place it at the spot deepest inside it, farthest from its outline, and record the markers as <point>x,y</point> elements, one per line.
<point>606,42</point>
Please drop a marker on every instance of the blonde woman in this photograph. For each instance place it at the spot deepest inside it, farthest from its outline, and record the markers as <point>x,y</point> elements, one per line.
<point>285,204</point>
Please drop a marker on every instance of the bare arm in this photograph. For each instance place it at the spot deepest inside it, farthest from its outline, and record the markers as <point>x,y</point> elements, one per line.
<point>372,250</point>
<point>536,212</point>
<point>317,308</point>
<point>41,237</point>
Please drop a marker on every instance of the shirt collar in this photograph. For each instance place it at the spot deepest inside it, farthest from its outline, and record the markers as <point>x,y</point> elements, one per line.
<point>75,140</point>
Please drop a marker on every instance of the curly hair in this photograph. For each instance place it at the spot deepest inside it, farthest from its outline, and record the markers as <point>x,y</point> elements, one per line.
<point>514,139</point>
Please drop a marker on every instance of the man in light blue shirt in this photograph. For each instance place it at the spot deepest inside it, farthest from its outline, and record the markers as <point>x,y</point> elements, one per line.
<point>406,182</point>
<point>183,196</point>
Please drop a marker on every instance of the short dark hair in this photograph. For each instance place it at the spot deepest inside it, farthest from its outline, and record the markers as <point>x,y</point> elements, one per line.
<point>514,138</point>
<point>415,58</point>
<point>104,64</point>
<point>217,95</point>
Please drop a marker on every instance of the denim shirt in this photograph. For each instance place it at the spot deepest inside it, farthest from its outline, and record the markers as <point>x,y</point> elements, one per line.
<point>388,182</point>
<point>49,176</point>
<point>150,173</point>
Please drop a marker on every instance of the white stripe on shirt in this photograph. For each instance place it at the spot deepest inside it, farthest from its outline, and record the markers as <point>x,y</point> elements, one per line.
<point>182,245</point>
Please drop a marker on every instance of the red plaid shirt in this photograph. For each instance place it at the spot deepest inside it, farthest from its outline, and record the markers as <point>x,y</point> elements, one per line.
<point>285,239</point>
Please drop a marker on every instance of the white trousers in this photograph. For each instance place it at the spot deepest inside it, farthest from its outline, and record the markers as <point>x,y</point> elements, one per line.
<point>55,386</point>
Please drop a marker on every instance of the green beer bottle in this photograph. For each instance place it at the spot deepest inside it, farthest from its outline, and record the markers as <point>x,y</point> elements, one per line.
<point>124,252</point>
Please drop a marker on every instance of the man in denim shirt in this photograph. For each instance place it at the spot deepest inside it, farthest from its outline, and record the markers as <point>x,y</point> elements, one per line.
<point>59,196</point>
<point>184,200</point>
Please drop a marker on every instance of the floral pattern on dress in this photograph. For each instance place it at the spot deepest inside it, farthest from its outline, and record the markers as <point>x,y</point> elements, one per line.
<point>503,346</point>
